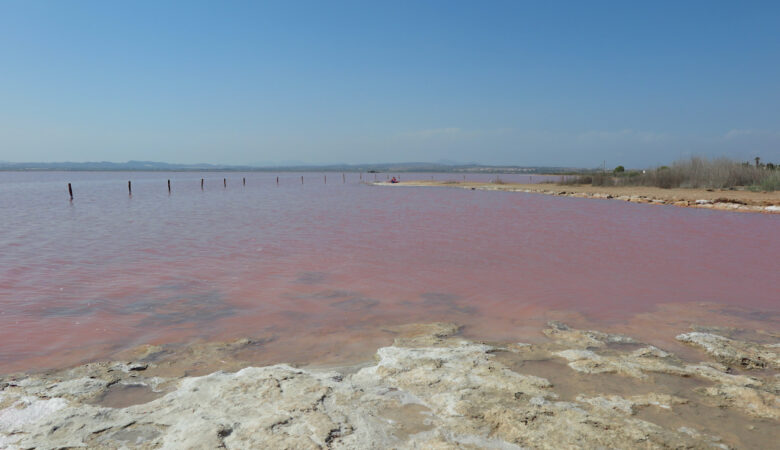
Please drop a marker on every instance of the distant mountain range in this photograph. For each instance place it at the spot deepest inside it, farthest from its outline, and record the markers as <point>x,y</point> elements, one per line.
<point>138,166</point>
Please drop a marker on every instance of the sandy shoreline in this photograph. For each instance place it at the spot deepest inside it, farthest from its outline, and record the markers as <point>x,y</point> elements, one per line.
<point>431,388</point>
<point>720,199</point>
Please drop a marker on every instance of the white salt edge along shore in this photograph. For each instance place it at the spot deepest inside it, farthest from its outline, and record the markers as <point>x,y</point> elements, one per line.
<point>719,200</point>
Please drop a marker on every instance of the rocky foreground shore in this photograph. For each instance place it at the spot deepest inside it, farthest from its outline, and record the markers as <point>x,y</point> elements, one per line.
<point>431,389</point>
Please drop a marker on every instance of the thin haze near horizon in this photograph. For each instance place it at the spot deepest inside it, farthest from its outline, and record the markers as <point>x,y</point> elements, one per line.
<point>517,83</point>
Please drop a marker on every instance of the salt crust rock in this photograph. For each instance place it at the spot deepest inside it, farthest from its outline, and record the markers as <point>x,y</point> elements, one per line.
<point>629,405</point>
<point>561,332</point>
<point>749,394</point>
<point>734,352</point>
<point>434,392</point>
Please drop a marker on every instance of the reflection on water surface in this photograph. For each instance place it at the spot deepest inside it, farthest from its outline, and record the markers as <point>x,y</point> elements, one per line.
<point>324,268</point>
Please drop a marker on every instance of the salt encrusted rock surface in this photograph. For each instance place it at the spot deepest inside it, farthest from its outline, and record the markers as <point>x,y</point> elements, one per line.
<point>584,338</point>
<point>429,390</point>
<point>735,352</point>
<point>629,405</point>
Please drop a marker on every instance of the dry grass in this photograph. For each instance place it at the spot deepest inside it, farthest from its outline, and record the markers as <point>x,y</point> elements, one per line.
<point>769,184</point>
<point>695,172</point>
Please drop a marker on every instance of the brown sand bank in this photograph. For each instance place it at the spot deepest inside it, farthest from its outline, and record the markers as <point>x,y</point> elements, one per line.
<point>722,199</point>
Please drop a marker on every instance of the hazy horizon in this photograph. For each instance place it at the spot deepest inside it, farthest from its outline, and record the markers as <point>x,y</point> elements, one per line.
<point>279,164</point>
<point>506,83</point>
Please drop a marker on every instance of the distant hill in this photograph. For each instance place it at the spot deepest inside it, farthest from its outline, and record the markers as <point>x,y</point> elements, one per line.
<point>113,166</point>
<point>138,166</point>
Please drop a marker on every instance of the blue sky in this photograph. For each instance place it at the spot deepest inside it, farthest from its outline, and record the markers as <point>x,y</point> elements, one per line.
<point>528,83</point>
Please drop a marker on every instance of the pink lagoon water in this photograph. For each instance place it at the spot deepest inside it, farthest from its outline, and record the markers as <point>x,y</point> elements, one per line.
<point>324,271</point>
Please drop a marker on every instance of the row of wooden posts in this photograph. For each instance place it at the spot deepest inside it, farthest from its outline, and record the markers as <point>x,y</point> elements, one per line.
<point>224,183</point>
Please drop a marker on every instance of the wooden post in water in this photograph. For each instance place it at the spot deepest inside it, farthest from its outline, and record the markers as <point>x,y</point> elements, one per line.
<point>224,183</point>
<point>169,186</point>
<point>343,178</point>
<point>70,192</point>
<point>326,179</point>
<point>277,180</point>
<point>361,176</point>
<point>244,180</point>
<point>301,179</point>
<point>201,184</point>
<point>374,177</point>
<point>129,189</point>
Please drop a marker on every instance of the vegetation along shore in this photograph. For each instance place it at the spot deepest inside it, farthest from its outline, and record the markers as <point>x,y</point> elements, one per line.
<point>694,183</point>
